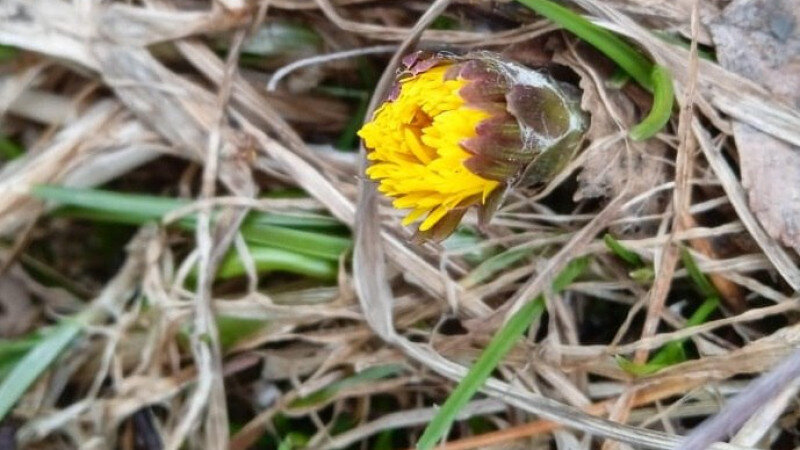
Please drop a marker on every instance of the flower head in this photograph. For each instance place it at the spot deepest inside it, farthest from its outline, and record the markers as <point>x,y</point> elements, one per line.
<point>457,132</point>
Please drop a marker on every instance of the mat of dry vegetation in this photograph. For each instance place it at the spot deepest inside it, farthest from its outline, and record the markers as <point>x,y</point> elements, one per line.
<point>335,329</point>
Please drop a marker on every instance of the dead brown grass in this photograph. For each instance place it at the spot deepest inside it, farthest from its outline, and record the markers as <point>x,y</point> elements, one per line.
<point>161,97</point>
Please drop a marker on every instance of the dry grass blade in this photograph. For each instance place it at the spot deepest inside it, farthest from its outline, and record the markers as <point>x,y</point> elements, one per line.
<point>369,264</point>
<point>225,133</point>
<point>742,407</point>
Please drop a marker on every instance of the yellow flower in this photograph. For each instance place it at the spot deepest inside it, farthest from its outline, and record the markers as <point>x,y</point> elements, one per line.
<point>416,151</point>
<point>459,131</point>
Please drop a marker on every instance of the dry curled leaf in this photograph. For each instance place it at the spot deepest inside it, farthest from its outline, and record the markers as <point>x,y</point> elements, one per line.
<point>610,163</point>
<point>760,40</point>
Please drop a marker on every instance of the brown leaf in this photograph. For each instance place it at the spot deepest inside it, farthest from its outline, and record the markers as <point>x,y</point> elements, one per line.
<point>17,311</point>
<point>608,167</point>
<point>761,41</point>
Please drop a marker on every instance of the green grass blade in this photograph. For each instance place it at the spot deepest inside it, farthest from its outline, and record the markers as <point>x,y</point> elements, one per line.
<point>699,278</point>
<point>348,140</point>
<point>655,79</point>
<point>494,264</point>
<point>7,53</point>
<point>573,270</point>
<point>623,253</point>
<point>627,57</point>
<point>300,241</point>
<point>110,206</point>
<point>268,259</point>
<point>672,352</point>
<point>10,149</point>
<point>663,98</point>
<point>266,229</point>
<point>684,43</point>
<point>12,350</point>
<point>498,347</point>
<point>618,79</point>
<point>701,314</point>
<point>282,38</point>
<point>384,440</point>
<point>643,275</point>
<point>502,342</point>
<point>136,209</point>
<point>34,363</point>
<point>294,439</point>
<point>234,329</point>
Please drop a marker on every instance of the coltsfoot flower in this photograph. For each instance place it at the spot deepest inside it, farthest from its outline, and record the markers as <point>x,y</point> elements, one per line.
<point>459,131</point>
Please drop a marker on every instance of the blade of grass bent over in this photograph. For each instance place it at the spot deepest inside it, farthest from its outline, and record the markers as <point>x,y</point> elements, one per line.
<point>663,97</point>
<point>654,78</point>
<point>633,62</point>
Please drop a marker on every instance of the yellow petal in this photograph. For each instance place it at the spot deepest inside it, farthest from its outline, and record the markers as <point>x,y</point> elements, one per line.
<point>415,148</point>
<point>413,216</point>
<point>433,218</point>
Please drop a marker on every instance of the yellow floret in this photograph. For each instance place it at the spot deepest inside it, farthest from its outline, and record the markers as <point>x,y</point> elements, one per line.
<point>415,148</point>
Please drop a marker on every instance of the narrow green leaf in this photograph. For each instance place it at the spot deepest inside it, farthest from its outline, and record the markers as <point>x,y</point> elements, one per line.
<point>701,314</point>
<point>444,23</point>
<point>294,439</point>
<point>618,79</point>
<point>502,342</point>
<point>574,269</point>
<point>384,440</point>
<point>11,351</point>
<point>673,352</point>
<point>660,112</point>
<point>7,52</point>
<point>323,395</point>
<point>699,278</point>
<point>643,275</point>
<point>498,347</point>
<point>234,329</point>
<point>300,241</point>
<point>655,79</point>
<point>623,253</point>
<point>137,208</point>
<point>467,244</point>
<point>10,149</point>
<point>633,62</point>
<point>268,259</point>
<point>282,38</point>
<point>638,370</point>
<point>266,229</point>
<point>494,264</point>
<point>678,40</point>
<point>34,363</point>
<point>126,208</point>
<point>348,139</point>
<point>343,92</point>
<point>13,348</point>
